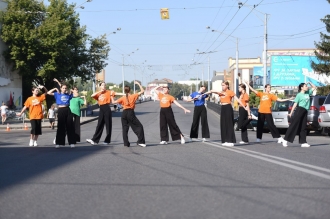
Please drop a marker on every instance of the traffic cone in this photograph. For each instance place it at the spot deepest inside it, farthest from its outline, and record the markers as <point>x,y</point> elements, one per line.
<point>8,128</point>
<point>25,127</point>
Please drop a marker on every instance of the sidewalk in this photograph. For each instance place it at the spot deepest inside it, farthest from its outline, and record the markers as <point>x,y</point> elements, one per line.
<point>14,124</point>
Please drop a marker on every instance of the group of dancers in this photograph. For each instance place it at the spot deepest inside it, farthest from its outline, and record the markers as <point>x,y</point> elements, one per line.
<point>69,104</point>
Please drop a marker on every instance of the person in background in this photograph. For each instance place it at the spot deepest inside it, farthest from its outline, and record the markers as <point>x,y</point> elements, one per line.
<point>34,103</point>
<point>75,104</point>
<point>166,116</point>
<point>65,118</point>
<point>128,118</point>
<point>265,113</point>
<point>299,121</point>
<point>244,113</point>
<point>227,114</point>
<point>51,116</point>
<point>200,113</point>
<point>103,98</point>
<point>3,113</point>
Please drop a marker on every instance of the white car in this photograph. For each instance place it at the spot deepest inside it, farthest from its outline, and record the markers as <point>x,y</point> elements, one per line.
<point>324,117</point>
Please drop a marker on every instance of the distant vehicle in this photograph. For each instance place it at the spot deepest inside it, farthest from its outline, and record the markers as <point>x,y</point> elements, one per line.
<point>253,123</point>
<point>313,114</point>
<point>324,117</point>
<point>280,114</point>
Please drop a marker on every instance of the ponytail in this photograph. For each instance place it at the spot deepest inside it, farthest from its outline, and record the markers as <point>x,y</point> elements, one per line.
<point>127,89</point>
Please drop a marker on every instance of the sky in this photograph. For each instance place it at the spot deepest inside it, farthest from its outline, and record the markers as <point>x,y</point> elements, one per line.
<point>151,48</point>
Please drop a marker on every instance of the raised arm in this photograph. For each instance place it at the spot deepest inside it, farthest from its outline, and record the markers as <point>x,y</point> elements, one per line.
<point>57,82</point>
<point>141,88</point>
<point>155,89</point>
<point>50,92</point>
<point>96,93</point>
<point>43,87</point>
<point>251,88</point>
<point>84,98</point>
<point>313,86</point>
<point>179,105</point>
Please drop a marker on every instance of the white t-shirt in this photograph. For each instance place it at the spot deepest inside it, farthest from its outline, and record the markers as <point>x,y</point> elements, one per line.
<point>51,114</point>
<point>3,110</point>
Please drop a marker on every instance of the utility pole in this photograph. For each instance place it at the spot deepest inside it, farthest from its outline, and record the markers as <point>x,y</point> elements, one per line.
<point>265,54</point>
<point>123,75</point>
<point>208,83</point>
<point>236,70</point>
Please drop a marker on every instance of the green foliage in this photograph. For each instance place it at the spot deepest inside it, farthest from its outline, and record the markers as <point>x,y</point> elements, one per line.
<point>323,90</point>
<point>324,49</point>
<point>254,100</point>
<point>89,99</point>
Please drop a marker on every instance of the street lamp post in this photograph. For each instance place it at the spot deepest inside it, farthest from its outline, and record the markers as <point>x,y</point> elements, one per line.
<point>123,73</point>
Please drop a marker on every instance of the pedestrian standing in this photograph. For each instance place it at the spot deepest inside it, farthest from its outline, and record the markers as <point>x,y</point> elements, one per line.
<point>51,116</point>
<point>103,98</point>
<point>227,114</point>
<point>265,113</point>
<point>128,118</point>
<point>299,120</point>
<point>75,104</point>
<point>34,103</point>
<point>3,113</point>
<point>166,116</point>
<point>65,118</point>
<point>244,114</point>
<point>200,113</point>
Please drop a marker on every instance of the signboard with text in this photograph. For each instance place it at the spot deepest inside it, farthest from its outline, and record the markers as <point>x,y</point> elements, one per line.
<point>258,76</point>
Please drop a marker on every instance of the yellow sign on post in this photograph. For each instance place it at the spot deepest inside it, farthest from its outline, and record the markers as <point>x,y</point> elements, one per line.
<point>164,14</point>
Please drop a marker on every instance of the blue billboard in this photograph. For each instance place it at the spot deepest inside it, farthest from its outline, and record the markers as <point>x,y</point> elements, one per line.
<point>258,76</point>
<point>293,70</point>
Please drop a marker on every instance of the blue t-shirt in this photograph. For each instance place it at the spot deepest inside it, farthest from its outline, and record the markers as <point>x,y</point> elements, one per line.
<point>62,99</point>
<point>200,98</point>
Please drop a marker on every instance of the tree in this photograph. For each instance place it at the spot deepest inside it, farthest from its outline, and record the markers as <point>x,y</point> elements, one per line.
<point>323,90</point>
<point>323,47</point>
<point>48,42</point>
<point>254,100</point>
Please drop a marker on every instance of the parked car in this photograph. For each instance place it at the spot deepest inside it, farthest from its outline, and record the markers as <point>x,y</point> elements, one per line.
<point>324,117</point>
<point>253,123</point>
<point>313,113</point>
<point>280,114</point>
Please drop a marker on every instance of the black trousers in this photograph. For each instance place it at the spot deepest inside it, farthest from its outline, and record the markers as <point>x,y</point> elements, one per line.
<point>35,126</point>
<point>243,121</point>
<point>65,126</point>
<point>227,124</point>
<point>76,123</point>
<point>298,126</point>
<point>200,113</point>
<point>105,117</point>
<point>270,123</point>
<point>128,119</point>
<point>166,118</point>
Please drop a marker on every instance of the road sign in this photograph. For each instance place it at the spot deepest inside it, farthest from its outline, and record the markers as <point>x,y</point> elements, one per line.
<point>164,13</point>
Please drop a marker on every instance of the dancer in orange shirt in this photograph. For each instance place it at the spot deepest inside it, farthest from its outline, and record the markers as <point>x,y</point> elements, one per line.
<point>167,117</point>
<point>35,113</point>
<point>128,118</point>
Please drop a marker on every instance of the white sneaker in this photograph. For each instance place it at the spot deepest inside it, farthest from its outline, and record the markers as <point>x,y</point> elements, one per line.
<point>204,139</point>
<point>143,145</point>
<point>284,143</point>
<point>243,142</point>
<point>258,140</point>
<point>190,140</point>
<point>31,143</point>
<point>35,143</point>
<point>305,145</point>
<point>57,146</point>
<point>230,144</point>
<point>105,143</point>
<point>72,145</point>
<point>54,142</point>
<point>90,141</point>
<point>224,144</point>
<point>254,117</point>
<point>280,140</point>
<point>163,142</point>
<point>183,141</point>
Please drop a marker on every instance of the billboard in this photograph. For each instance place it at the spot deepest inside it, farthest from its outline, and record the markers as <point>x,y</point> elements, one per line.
<point>258,76</point>
<point>293,70</point>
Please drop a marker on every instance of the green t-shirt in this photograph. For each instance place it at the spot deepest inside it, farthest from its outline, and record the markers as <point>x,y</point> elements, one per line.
<point>303,99</point>
<point>75,104</point>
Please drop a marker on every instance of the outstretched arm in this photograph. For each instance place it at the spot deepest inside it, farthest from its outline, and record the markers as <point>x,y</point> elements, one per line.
<point>141,88</point>
<point>251,88</point>
<point>189,99</point>
<point>179,105</point>
<point>283,100</point>
<point>22,111</point>
<point>215,91</point>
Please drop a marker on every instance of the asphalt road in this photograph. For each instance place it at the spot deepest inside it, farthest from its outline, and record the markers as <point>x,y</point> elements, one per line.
<point>194,180</point>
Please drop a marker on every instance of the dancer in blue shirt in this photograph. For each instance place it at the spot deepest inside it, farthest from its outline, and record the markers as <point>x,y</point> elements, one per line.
<point>199,113</point>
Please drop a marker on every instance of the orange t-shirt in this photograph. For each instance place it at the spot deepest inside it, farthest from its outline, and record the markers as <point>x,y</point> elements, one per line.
<point>34,105</point>
<point>131,101</point>
<point>104,97</point>
<point>226,96</point>
<point>165,100</point>
<point>244,99</point>
<point>266,102</point>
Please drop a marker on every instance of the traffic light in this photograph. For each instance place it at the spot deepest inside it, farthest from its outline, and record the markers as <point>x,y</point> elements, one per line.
<point>164,14</point>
